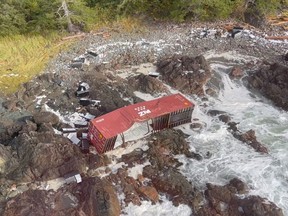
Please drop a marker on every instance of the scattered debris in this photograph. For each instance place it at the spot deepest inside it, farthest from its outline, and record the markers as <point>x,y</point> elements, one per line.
<point>87,102</point>
<point>73,177</point>
<point>79,62</point>
<point>84,102</point>
<point>84,93</point>
<point>236,30</point>
<point>84,146</point>
<point>69,130</point>
<point>154,74</point>
<point>83,89</point>
<point>88,116</point>
<point>73,137</point>
<point>92,53</point>
<point>80,124</point>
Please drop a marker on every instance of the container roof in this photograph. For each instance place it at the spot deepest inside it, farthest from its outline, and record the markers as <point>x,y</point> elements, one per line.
<point>120,120</point>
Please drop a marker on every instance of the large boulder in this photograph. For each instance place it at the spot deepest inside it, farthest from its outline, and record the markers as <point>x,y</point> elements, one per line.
<point>257,206</point>
<point>97,197</point>
<point>236,72</point>
<point>29,203</point>
<point>110,95</point>
<point>185,73</point>
<point>249,137</point>
<point>92,197</point>
<point>225,200</point>
<point>44,156</point>
<point>272,82</point>
<point>46,117</point>
<point>167,143</point>
<point>8,161</point>
<point>175,185</point>
<point>147,84</point>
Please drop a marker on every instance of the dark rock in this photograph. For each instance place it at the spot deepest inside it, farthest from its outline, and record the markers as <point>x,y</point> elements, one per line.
<point>247,137</point>
<point>250,138</point>
<point>35,149</point>
<point>46,127</point>
<point>286,56</point>
<point>20,104</point>
<point>46,77</point>
<point>149,192</point>
<point>133,157</point>
<point>28,127</point>
<point>110,97</point>
<point>185,73</point>
<point>194,156</point>
<point>224,200</point>
<point>240,186</point>
<point>272,82</point>
<point>129,186</point>
<point>224,118</point>
<point>196,125</point>
<point>9,104</point>
<point>233,127</point>
<point>147,84</point>
<point>210,92</point>
<point>215,112</point>
<point>97,197</point>
<point>167,142</point>
<point>14,129</point>
<point>8,161</point>
<point>219,193</point>
<point>46,117</point>
<point>92,197</point>
<point>236,72</point>
<point>174,184</point>
<point>32,89</point>
<point>258,206</point>
<point>32,202</point>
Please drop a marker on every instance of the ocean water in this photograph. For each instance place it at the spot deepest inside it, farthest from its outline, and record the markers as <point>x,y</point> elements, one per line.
<point>266,175</point>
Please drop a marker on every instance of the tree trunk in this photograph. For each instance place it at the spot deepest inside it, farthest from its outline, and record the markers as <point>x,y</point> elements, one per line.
<point>67,15</point>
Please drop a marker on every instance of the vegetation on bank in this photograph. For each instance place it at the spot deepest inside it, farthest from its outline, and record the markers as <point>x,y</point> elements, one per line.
<point>30,30</point>
<point>42,16</point>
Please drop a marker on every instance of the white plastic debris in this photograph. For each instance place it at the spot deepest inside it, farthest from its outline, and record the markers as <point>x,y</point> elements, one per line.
<point>89,116</point>
<point>68,130</point>
<point>154,74</point>
<point>78,178</point>
<point>84,85</point>
<point>73,138</point>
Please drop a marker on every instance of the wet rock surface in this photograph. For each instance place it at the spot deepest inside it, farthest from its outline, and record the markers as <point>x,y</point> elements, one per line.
<point>147,84</point>
<point>188,74</point>
<point>91,197</point>
<point>247,137</point>
<point>272,82</point>
<point>236,72</point>
<point>225,200</point>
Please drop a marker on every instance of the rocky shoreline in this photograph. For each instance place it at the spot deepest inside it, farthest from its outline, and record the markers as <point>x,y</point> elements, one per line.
<point>34,153</point>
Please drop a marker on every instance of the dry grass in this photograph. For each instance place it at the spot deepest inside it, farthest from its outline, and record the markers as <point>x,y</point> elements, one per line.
<point>23,57</point>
